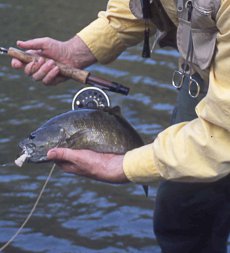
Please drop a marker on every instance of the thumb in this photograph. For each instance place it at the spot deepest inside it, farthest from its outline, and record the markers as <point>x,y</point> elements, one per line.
<point>60,154</point>
<point>34,44</point>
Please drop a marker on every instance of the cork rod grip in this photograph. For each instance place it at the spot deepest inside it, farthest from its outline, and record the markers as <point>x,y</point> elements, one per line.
<point>74,73</point>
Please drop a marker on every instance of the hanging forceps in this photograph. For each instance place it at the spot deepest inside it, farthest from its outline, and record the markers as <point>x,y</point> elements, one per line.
<point>178,79</point>
<point>179,76</point>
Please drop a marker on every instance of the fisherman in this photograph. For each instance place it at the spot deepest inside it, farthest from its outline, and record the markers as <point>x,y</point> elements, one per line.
<point>192,157</point>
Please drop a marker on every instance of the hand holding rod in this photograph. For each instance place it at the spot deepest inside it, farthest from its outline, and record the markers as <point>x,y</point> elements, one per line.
<point>70,72</point>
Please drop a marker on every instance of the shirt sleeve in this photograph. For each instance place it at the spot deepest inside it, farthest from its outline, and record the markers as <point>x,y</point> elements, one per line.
<point>113,31</point>
<point>198,150</point>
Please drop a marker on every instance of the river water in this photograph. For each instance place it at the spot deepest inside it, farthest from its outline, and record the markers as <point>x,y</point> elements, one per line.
<point>75,214</point>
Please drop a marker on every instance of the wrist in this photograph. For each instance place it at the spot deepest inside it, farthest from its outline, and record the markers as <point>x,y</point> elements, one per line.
<point>78,54</point>
<point>113,170</point>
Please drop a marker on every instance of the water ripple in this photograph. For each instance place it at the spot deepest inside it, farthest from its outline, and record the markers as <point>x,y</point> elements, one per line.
<point>5,6</point>
<point>12,178</point>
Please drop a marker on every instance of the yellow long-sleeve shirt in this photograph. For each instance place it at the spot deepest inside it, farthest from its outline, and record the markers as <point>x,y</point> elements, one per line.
<point>198,150</point>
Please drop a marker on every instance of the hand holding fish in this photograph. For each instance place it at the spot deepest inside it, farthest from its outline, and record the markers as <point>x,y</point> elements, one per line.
<point>99,166</point>
<point>73,53</point>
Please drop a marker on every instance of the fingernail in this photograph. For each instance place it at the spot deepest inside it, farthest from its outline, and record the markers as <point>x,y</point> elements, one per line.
<point>56,69</point>
<point>14,65</point>
<point>51,154</point>
<point>19,42</point>
<point>50,63</point>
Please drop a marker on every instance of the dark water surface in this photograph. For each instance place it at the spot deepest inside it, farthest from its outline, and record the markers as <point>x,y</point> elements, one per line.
<point>75,214</point>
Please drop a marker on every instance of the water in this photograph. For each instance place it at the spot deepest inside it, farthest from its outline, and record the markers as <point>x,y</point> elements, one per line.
<point>75,214</point>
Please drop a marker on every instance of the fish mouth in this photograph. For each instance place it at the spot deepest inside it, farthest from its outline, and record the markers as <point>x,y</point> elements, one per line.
<point>28,149</point>
<point>29,154</point>
<point>34,154</point>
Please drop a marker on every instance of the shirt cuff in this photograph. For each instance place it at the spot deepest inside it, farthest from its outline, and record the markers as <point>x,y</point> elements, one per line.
<point>102,40</point>
<point>140,165</point>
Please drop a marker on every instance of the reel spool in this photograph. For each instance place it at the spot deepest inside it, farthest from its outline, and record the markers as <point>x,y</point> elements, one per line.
<point>90,97</point>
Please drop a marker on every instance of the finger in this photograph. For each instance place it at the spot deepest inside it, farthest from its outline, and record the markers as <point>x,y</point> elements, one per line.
<point>35,44</point>
<point>44,70</point>
<point>61,154</point>
<point>17,64</point>
<point>50,78</point>
<point>34,66</point>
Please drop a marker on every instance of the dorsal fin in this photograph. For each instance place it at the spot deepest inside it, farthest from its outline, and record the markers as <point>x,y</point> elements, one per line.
<point>116,110</point>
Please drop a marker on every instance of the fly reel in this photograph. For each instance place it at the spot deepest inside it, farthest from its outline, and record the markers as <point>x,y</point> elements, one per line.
<point>90,97</point>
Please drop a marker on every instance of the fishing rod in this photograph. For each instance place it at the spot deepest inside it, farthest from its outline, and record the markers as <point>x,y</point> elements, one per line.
<point>80,75</point>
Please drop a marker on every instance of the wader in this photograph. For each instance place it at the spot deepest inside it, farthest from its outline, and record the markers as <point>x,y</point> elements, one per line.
<point>190,217</point>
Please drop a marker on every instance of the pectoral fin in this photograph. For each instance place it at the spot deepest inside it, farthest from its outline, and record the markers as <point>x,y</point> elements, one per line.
<point>77,139</point>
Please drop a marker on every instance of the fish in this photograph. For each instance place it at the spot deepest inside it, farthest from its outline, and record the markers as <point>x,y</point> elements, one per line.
<point>103,130</point>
